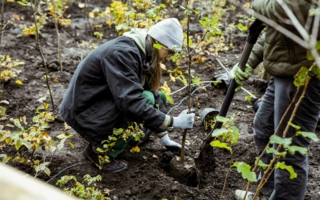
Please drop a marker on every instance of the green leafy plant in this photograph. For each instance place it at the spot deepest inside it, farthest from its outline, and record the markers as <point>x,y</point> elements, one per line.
<point>35,138</point>
<point>87,190</point>
<point>134,131</point>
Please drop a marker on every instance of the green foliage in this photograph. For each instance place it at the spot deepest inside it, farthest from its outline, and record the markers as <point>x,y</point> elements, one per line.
<point>142,14</point>
<point>274,139</point>
<point>262,164</point>
<point>309,135</point>
<point>87,190</point>
<point>241,27</point>
<point>296,127</point>
<point>222,145</point>
<point>315,71</point>
<point>293,149</point>
<point>245,171</point>
<point>309,54</point>
<point>28,140</point>
<point>196,81</point>
<point>133,131</point>
<point>301,78</point>
<point>228,132</point>
<point>276,152</point>
<point>283,166</point>
<point>98,34</point>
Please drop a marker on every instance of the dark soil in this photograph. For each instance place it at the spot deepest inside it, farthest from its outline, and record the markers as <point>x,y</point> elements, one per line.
<point>149,175</point>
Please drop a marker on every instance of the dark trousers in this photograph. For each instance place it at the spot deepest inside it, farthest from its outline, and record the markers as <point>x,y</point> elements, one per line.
<point>277,98</point>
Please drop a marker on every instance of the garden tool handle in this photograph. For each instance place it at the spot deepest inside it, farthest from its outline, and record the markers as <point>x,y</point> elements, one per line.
<point>254,32</point>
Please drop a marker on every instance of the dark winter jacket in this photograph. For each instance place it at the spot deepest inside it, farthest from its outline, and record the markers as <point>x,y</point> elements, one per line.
<point>280,55</point>
<point>106,88</point>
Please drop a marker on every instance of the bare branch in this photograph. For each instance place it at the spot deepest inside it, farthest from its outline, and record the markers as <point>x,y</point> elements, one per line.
<point>294,20</point>
<point>278,27</point>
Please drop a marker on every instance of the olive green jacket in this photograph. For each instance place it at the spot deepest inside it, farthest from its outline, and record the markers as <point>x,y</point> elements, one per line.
<point>280,55</point>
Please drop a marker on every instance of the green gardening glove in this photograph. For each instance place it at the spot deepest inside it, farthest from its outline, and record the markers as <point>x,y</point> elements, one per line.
<point>239,76</point>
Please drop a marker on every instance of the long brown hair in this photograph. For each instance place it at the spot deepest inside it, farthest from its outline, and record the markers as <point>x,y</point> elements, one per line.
<point>153,80</point>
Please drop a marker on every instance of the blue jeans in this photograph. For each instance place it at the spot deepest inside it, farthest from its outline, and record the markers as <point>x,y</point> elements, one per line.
<point>277,98</point>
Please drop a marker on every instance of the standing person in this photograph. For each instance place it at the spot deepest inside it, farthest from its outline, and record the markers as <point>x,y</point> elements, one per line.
<point>118,82</point>
<point>282,59</point>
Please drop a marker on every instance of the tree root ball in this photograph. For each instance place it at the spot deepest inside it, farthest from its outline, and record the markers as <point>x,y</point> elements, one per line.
<point>184,172</point>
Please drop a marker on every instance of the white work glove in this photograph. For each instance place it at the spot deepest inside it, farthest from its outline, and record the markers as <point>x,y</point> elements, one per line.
<point>184,120</point>
<point>238,75</point>
<point>169,144</point>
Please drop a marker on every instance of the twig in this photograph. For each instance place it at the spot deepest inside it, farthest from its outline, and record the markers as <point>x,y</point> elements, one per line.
<point>189,84</point>
<point>2,21</point>
<point>184,87</point>
<point>277,27</point>
<point>315,29</point>
<point>227,176</point>
<point>87,16</point>
<point>41,54</point>
<point>294,20</point>
<point>303,32</point>
<point>58,35</point>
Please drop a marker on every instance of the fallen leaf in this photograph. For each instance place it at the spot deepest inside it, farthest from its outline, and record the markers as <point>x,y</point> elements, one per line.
<point>16,17</point>
<point>135,149</point>
<point>81,5</point>
<point>66,127</point>
<point>163,67</point>
<point>19,82</point>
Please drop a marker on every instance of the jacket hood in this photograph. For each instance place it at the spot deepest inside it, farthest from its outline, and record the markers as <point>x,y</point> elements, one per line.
<point>139,36</point>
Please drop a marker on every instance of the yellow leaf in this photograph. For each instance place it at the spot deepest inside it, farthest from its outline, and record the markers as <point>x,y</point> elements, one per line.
<point>81,5</point>
<point>247,5</point>
<point>22,160</point>
<point>135,149</point>
<point>36,162</point>
<point>10,1</point>
<point>66,127</point>
<point>109,23</point>
<point>19,82</point>
<point>163,67</point>
<point>71,144</point>
<point>91,15</point>
<point>46,106</point>
<point>61,136</point>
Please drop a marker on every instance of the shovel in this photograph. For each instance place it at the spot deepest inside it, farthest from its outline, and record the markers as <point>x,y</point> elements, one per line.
<point>254,32</point>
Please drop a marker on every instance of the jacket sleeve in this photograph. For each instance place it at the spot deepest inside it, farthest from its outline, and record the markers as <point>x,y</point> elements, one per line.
<point>121,70</point>
<point>273,10</point>
<point>256,56</point>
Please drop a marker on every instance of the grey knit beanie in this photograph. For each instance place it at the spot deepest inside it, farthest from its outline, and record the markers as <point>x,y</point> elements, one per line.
<point>168,32</point>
